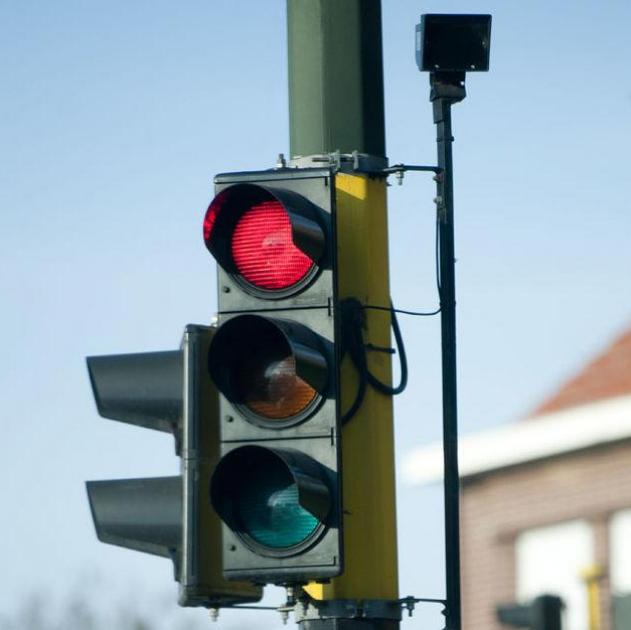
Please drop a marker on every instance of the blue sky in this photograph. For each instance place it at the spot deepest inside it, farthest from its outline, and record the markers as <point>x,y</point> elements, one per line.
<point>114,117</point>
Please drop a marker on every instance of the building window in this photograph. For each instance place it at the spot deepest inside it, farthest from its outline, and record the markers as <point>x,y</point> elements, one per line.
<point>550,560</point>
<point>620,568</point>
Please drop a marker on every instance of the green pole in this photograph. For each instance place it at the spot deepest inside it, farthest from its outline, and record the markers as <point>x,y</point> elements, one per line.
<point>335,77</point>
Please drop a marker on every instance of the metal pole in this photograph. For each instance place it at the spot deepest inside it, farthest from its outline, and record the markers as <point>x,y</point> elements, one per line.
<point>444,94</point>
<point>335,77</point>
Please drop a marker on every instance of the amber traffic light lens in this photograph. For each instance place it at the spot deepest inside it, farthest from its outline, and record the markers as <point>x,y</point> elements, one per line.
<point>270,387</point>
<point>273,370</point>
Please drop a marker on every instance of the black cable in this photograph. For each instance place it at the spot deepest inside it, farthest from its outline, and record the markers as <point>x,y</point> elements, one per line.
<point>438,282</point>
<point>353,322</point>
<point>374,381</point>
<point>437,250</point>
<point>400,310</point>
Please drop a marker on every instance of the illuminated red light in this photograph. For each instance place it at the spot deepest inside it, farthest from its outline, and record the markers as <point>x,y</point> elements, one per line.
<point>263,249</point>
<point>209,220</point>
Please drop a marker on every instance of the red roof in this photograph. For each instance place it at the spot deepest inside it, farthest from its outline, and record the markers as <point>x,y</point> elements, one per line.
<point>607,376</point>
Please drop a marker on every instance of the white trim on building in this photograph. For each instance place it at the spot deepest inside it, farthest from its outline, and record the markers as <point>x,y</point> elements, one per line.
<point>529,440</point>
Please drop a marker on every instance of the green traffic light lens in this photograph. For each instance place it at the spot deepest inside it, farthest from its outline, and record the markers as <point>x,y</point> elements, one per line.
<point>268,511</point>
<point>275,500</point>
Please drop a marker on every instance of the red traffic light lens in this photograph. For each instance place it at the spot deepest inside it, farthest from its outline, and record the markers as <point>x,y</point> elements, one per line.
<point>272,241</point>
<point>263,249</point>
<point>271,388</point>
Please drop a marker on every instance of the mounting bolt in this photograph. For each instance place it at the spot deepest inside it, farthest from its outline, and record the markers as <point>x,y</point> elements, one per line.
<point>291,595</point>
<point>409,605</point>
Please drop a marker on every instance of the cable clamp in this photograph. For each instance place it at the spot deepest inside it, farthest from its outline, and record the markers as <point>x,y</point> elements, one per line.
<point>374,348</point>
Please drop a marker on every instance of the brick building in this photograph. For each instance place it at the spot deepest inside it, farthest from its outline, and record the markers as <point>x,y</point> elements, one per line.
<point>547,500</point>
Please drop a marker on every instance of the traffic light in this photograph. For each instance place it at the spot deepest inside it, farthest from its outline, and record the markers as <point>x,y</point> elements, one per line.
<point>543,613</point>
<point>167,516</point>
<point>275,361</point>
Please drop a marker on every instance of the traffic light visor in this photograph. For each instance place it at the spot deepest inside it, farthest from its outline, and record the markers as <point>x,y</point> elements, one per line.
<point>268,240</point>
<point>144,389</point>
<point>273,370</point>
<point>140,514</point>
<point>275,500</point>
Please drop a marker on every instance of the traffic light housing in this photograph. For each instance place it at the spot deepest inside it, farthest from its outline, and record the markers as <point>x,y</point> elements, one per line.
<point>542,613</point>
<point>275,362</point>
<point>167,516</point>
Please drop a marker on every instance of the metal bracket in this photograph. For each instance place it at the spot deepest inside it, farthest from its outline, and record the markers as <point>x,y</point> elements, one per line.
<point>409,603</point>
<point>356,162</point>
<point>307,609</point>
<point>399,170</point>
<point>311,609</point>
<point>447,85</point>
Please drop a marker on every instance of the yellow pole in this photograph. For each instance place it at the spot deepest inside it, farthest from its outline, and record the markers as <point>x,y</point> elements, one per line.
<point>370,547</point>
<point>591,576</point>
